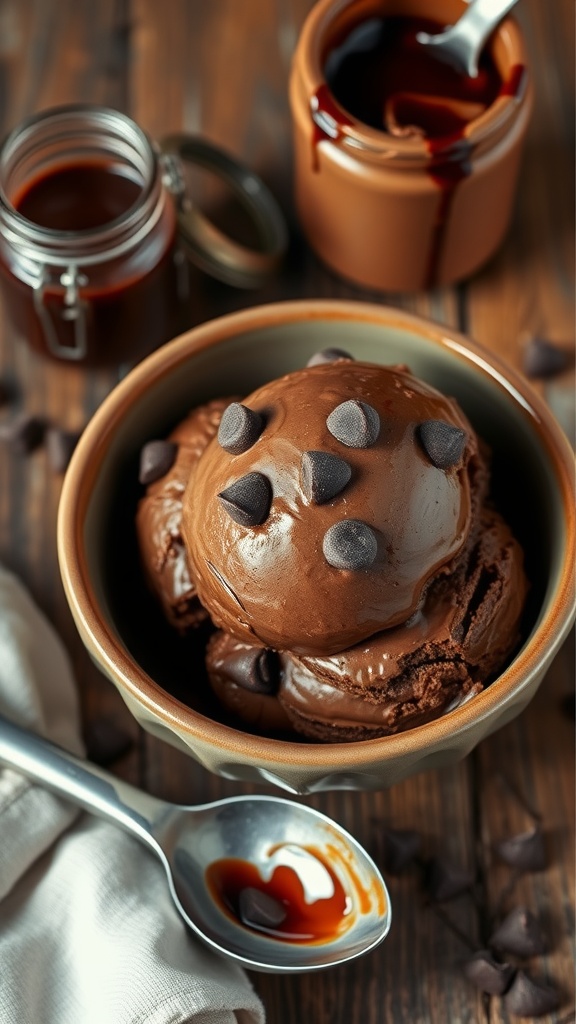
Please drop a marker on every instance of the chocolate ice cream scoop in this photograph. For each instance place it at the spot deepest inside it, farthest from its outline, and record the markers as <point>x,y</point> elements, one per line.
<point>353,494</point>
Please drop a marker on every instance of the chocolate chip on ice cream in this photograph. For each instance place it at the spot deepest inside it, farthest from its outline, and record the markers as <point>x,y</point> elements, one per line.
<point>156,458</point>
<point>328,355</point>
<point>239,428</point>
<point>323,476</point>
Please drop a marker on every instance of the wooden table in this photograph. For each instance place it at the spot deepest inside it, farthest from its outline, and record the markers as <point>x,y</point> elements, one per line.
<point>221,67</point>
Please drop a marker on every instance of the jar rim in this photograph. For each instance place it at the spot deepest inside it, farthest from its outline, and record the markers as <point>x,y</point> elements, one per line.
<point>122,129</point>
<point>360,137</point>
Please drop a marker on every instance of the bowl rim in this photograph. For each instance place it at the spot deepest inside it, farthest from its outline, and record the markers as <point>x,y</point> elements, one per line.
<point>129,676</point>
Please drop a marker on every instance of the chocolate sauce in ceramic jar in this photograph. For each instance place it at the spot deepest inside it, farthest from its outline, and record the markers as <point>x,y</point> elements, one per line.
<point>88,256</point>
<point>405,167</point>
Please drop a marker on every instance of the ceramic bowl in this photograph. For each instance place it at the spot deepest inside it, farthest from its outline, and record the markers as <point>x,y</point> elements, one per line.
<point>161,681</point>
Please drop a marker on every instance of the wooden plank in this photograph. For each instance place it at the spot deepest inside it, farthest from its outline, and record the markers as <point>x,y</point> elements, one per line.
<point>56,52</point>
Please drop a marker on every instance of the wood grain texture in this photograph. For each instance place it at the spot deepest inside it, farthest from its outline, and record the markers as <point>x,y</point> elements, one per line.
<point>221,68</point>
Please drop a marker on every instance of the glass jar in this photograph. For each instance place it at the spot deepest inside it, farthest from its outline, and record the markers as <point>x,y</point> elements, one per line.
<point>88,258</point>
<point>95,227</point>
<point>401,213</point>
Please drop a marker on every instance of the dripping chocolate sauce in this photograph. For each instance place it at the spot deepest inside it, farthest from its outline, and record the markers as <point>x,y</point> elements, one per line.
<point>380,63</point>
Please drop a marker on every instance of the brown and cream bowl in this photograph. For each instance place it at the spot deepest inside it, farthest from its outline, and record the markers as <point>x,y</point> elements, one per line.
<point>161,676</point>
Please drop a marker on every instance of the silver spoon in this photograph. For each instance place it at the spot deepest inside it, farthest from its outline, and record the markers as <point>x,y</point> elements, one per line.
<point>461,44</point>
<point>263,830</point>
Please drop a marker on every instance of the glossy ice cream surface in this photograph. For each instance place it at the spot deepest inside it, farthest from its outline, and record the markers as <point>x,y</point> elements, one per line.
<point>271,583</point>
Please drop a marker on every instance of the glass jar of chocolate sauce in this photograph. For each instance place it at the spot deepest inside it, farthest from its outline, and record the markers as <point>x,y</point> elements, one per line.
<point>94,224</point>
<point>405,168</point>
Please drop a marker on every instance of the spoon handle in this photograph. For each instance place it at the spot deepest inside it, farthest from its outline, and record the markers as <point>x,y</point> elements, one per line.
<point>79,781</point>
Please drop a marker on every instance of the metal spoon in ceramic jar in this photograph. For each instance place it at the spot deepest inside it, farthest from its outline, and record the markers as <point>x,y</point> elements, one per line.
<point>462,43</point>
<point>263,832</point>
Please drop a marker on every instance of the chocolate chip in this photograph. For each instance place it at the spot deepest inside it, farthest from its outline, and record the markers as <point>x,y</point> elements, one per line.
<point>520,934</point>
<point>260,909</point>
<point>350,544</point>
<point>257,670</point>
<point>156,458</point>
<point>355,424</point>
<point>23,433</point>
<point>59,446</point>
<point>247,501</point>
<point>541,358</point>
<point>442,442</point>
<point>106,740</point>
<point>323,476</point>
<point>239,428</point>
<point>328,355</point>
<point>400,847</point>
<point>445,880</point>
<point>487,973</point>
<point>525,851</point>
<point>5,394</point>
<point>568,706</point>
<point>528,999</point>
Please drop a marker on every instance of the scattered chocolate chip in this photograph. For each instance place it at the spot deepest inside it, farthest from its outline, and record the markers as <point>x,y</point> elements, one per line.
<point>541,358</point>
<point>350,544</point>
<point>323,476</point>
<point>400,847</point>
<point>442,442</point>
<point>23,433</point>
<point>525,851</point>
<point>526,998</point>
<point>355,424</point>
<point>240,427</point>
<point>247,501</point>
<point>106,740</point>
<point>568,706</point>
<point>520,934</point>
<point>260,909</point>
<point>328,355</point>
<point>445,880</point>
<point>518,795</point>
<point>5,395</point>
<point>257,670</point>
<point>59,446</point>
<point>156,458</point>
<point>488,974</point>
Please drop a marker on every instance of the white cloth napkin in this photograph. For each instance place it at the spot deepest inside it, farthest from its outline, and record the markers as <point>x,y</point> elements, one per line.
<point>88,933</point>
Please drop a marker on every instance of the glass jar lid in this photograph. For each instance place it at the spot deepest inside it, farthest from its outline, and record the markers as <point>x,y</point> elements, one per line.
<point>207,246</point>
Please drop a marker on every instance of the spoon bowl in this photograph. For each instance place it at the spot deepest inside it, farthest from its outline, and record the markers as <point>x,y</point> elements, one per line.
<point>461,44</point>
<point>260,833</point>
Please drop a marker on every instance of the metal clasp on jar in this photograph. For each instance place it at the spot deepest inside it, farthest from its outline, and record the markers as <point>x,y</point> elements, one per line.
<point>74,311</point>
